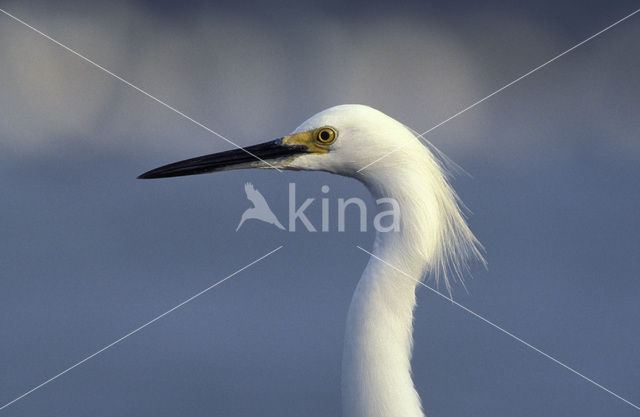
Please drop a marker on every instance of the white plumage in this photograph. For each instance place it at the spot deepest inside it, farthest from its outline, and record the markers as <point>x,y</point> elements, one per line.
<point>434,239</point>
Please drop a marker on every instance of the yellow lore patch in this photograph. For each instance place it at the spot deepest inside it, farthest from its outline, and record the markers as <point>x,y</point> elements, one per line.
<point>317,141</point>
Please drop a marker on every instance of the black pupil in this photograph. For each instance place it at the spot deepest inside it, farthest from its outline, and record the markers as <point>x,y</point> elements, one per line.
<point>324,135</point>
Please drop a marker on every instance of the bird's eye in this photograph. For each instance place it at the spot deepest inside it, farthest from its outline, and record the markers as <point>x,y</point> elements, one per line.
<point>326,135</point>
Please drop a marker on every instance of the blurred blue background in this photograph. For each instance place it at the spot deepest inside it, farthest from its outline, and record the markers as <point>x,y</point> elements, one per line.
<point>89,253</point>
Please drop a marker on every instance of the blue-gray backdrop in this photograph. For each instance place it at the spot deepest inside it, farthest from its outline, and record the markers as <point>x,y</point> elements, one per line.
<point>88,253</point>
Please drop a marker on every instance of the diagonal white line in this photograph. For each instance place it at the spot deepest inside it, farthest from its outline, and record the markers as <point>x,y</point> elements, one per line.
<point>139,328</point>
<point>134,86</point>
<point>503,330</point>
<point>505,87</point>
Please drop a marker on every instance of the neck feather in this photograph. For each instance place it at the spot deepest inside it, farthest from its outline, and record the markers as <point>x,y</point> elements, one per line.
<point>434,239</point>
<point>377,353</point>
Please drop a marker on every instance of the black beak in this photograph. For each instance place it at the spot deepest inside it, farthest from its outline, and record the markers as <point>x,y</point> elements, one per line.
<point>256,156</point>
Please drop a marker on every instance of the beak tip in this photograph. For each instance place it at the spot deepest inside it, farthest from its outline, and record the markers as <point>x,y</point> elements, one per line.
<point>145,176</point>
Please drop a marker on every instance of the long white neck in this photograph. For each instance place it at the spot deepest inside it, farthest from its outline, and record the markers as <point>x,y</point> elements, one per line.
<point>376,378</point>
<point>434,238</point>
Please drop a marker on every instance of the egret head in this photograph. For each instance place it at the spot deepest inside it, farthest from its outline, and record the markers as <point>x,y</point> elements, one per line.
<point>342,140</point>
<point>364,143</point>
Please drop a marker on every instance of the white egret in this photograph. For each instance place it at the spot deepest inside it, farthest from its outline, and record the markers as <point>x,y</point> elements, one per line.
<point>434,239</point>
